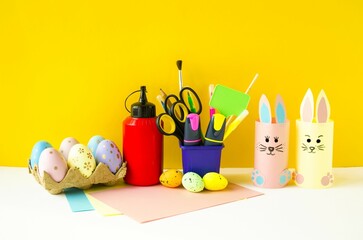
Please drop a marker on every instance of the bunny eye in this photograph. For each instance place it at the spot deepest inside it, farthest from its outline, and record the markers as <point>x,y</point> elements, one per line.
<point>267,138</point>
<point>308,140</point>
<point>319,140</point>
<point>276,139</point>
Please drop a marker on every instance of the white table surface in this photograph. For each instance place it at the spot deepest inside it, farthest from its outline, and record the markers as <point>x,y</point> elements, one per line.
<point>28,211</point>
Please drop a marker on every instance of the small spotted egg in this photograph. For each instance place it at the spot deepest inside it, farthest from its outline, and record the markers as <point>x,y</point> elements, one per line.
<point>192,182</point>
<point>81,157</point>
<point>66,146</point>
<point>171,178</point>
<point>52,162</point>
<point>108,153</point>
<point>214,181</point>
<point>93,143</point>
<point>37,150</point>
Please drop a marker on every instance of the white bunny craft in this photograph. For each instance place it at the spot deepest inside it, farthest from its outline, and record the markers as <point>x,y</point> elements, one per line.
<point>271,146</point>
<point>314,159</point>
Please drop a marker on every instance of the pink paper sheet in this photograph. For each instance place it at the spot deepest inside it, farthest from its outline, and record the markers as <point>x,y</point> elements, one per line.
<point>155,202</point>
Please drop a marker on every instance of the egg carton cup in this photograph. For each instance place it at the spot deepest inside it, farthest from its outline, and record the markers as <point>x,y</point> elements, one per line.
<point>74,178</point>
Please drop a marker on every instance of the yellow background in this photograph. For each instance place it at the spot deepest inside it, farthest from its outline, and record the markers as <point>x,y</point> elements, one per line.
<point>66,67</point>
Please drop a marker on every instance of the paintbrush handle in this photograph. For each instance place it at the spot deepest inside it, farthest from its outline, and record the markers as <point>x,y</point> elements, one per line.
<point>180,80</point>
<point>252,82</point>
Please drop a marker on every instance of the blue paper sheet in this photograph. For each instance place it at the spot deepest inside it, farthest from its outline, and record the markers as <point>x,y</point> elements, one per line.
<point>78,200</point>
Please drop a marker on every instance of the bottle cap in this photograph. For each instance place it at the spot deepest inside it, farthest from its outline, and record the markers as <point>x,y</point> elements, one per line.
<point>143,108</point>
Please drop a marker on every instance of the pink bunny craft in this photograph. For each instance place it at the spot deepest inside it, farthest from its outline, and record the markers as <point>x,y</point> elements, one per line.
<point>314,153</point>
<point>271,146</point>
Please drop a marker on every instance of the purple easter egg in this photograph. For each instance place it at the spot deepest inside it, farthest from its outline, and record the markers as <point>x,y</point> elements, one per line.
<point>108,153</point>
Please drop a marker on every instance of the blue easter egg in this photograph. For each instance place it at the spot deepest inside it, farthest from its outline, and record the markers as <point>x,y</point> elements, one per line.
<point>93,143</point>
<point>37,150</point>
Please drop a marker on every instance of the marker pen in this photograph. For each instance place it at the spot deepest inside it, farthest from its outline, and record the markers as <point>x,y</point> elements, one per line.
<point>215,131</point>
<point>192,130</point>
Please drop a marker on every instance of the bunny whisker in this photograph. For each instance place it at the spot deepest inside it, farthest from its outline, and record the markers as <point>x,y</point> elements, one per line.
<point>278,150</point>
<point>280,145</point>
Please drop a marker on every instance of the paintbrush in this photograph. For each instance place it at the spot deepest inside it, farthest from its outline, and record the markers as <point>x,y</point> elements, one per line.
<point>179,65</point>
<point>232,118</point>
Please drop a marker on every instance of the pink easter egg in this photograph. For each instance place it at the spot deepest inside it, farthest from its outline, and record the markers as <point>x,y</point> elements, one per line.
<point>52,162</point>
<point>66,146</point>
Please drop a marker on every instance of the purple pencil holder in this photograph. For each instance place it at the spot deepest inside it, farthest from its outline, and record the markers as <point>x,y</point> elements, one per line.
<point>201,159</point>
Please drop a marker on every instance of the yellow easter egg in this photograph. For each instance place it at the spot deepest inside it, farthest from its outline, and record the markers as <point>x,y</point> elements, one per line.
<point>171,178</point>
<point>214,181</point>
<point>80,157</point>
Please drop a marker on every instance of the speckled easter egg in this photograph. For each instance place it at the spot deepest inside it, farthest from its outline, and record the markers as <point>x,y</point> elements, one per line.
<point>52,162</point>
<point>192,182</point>
<point>108,153</point>
<point>171,178</point>
<point>66,146</point>
<point>214,181</point>
<point>80,157</point>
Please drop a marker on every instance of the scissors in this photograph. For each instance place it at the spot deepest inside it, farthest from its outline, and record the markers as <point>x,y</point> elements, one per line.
<point>171,123</point>
<point>167,126</point>
<point>187,97</point>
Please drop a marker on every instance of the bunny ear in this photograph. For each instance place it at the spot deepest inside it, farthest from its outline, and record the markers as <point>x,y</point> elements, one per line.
<point>280,109</point>
<point>322,108</point>
<point>307,107</point>
<point>265,110</point>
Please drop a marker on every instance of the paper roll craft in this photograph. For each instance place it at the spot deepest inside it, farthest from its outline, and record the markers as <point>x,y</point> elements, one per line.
<point>314,159</point>
<point>271,146</point>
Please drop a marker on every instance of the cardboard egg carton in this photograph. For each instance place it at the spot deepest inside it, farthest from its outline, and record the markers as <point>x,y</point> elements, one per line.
<point>74,178</point>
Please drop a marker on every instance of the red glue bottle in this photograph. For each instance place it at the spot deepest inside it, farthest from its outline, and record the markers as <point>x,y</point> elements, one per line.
<point>142,143</point>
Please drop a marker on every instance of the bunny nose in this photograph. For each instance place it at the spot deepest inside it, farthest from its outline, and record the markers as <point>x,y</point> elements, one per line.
<point>312,148</point>
<point>271,149</point>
